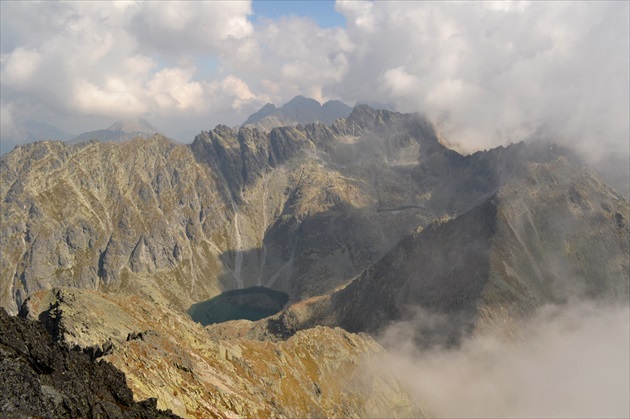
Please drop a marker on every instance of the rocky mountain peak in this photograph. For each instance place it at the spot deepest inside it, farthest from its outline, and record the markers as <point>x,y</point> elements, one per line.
<point>130,126</point>
<point>299,110</point>
<point>301,102</point>
<point>365,116</point>
<point>119,131</point>
<point>335,106</point>
<point>263,112</point>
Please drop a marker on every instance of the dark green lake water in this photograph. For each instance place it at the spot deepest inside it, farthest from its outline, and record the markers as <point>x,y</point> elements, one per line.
<point>253,303</point>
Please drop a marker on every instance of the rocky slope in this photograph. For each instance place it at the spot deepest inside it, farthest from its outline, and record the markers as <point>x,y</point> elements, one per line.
<point>299,209</point>
<point>42,378</point>
<point>552,233</point>
<point>318,372</point>
<point>299,110</point>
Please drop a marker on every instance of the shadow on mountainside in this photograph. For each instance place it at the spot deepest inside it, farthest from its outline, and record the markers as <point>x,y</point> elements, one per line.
<point>312,255</point>
<point>424,272</point>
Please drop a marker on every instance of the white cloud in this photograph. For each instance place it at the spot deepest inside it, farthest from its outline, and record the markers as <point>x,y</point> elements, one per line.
<point>177,28</point>
<point>359,13</point>
<point>488,72</point>
<point>566,361</point>
<point>118,60</point>
<point>172,88</point>
<point>506,5</point>
<point>496,72</point>
<point>235,89</point>
<point>7,125</point>
<point>20,66</point>
<point>113,97</point>
<point>294,53</point>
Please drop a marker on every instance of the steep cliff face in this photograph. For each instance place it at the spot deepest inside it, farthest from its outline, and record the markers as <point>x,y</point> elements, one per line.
<point>318,372</point>
<point>103,215</point>
<point>299,209</point>
<point>551,234</point>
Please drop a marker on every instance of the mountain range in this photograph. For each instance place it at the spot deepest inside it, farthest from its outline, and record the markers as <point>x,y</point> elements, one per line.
<point>356,223</point>
<point>299,110</point>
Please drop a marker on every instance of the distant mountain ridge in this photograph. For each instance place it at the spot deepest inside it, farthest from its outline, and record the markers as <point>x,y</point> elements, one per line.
<point>299,110</point>
<point>30,131</point>
<point>119,131</point>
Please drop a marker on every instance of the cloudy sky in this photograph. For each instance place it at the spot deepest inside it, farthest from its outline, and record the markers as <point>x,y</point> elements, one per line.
<point>487,73</point>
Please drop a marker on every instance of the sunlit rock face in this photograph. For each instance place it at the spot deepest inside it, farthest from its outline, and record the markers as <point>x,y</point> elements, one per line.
<point>165,355</point>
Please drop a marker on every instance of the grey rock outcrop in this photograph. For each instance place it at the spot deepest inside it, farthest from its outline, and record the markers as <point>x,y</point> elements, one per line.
<point>43,378</point>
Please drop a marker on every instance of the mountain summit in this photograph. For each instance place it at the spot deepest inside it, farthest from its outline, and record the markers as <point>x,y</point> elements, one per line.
<point>120,131</point>
<point>299,110</point>
<point>133,126</point>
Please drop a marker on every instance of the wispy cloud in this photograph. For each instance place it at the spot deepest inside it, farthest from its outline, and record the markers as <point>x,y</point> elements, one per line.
<point>566,361</point>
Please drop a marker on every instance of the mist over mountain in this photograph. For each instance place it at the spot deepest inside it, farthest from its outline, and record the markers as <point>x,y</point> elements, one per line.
<point>552,233</point>
<point>455,243</point>
<point>119,131</point>
<point>379,105</point>
<point>299,110</point>
<point>614,169</point>
<point>30,131</point>
<point>369,223</point>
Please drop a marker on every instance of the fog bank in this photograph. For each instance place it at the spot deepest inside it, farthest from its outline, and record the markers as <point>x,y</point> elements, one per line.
<point>566,361</point>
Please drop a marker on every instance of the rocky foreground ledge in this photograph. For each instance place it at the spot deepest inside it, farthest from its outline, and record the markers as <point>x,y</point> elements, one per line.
<point>43,378</point>
<point>189,369</point>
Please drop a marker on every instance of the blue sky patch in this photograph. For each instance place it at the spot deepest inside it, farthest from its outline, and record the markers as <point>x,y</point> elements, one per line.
<point>321,11</point>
